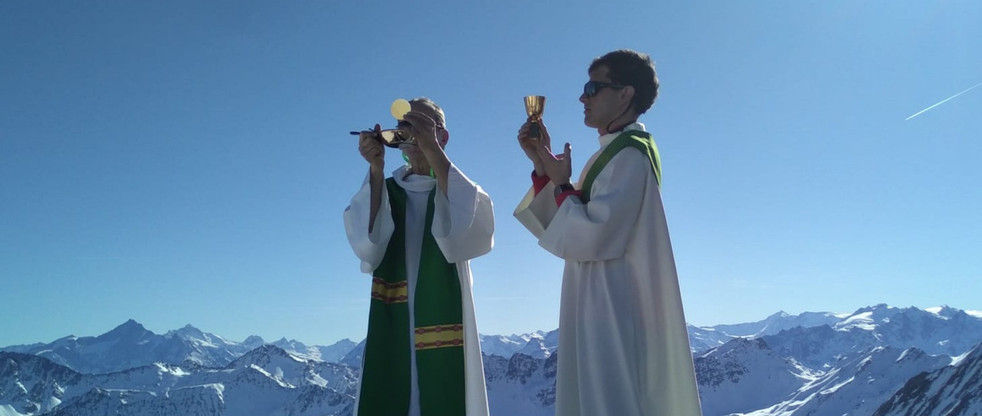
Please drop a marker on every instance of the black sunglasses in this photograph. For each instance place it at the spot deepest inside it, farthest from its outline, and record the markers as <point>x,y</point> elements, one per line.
<point>591,88</point>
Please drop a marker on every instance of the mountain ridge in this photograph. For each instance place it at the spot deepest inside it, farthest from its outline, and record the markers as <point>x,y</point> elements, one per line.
<point>877,358</point>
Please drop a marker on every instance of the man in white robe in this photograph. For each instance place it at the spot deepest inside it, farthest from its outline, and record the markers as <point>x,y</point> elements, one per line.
<point>623,345</point>
<point>422,354</point>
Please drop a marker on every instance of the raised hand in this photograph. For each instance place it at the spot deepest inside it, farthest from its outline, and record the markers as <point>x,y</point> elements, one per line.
<point>370,147</point>
<point>558,167</point>
<point>530,145</point>
<point>424,130</point>
<point>430,138</point>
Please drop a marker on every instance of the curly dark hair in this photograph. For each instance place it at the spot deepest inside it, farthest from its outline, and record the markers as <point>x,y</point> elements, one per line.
<point>627,67</point>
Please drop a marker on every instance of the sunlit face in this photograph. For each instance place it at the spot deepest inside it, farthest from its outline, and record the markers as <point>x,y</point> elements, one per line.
<point>605,106</point>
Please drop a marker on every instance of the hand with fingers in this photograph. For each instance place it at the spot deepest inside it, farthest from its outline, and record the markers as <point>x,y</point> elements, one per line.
<point>424,130</point>
<point>370,147</point>
<point>558,167</point>
<point>530,145</point>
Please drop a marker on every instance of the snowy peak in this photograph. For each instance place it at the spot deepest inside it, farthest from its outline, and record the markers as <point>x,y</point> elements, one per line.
<point>869,317</point>
<point>190,333</point>
<point>131,345</point>
<point>521,385</point>
<point>945,311</point>
<point>334,353</point>
<point>130,330</point>
<point>778,322</point>
<point>355,356</point>
<point>858,383</point>
<point>879,325</point>
<point>739,346</point>
<point>284,386</point>
<point>277,364</point>
<point>812,363</point>
<point>253,341</point>
<point>953,390</point>
<point>744,375</point>
<point>539,344</point>
<point>265,355</point>
<point>704,338</point>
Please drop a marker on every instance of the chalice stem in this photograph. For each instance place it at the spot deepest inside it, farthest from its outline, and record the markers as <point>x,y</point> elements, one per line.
<point>534,129</point>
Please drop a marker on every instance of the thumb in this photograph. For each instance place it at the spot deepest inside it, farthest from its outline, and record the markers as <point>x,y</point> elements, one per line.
<point>566,151</point>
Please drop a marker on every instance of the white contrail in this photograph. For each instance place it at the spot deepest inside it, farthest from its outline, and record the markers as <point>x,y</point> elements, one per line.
<point>943,101</point>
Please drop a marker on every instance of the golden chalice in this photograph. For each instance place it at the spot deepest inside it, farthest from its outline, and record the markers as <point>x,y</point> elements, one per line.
<point>534,106</point>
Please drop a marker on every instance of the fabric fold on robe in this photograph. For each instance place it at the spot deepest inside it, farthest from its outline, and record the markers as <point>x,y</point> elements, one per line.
<point>623,344</point>
<point>463,227</point>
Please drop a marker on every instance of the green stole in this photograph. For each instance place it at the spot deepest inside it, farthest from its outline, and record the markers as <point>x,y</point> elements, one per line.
<point>638,139</point>
<point>439,335</point>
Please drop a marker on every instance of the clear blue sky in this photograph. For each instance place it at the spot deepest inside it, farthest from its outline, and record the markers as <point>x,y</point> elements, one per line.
<point>188,162</point>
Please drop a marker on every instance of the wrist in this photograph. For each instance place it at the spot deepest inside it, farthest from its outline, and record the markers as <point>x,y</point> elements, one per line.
<point>560,180</point>
<point>432,153</point>
<point>564,191</point>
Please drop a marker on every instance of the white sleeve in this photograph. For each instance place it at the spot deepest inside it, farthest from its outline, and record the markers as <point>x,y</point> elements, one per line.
<point>535,211</point>
<point>601,229</point>
<point>463,219</point>
<point>369,247</point>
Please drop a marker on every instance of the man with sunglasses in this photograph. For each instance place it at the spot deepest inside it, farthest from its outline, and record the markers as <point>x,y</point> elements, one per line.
<point>415,233</point>
<point>623,345</point>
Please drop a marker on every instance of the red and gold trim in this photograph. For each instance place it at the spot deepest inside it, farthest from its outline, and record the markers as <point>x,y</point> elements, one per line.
<point>390,292</point>
<point>439,336</point>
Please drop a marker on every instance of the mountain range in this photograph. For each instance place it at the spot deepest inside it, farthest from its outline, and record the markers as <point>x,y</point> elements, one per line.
<point>878,360</point>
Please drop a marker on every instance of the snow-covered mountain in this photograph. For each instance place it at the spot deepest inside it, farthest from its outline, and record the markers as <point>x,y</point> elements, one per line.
<point>894,361</point>
<point>131,345</point>
<point>539,344</point>
<point>848,368</point>
<point>744,375</point>
<point>941,331</point>
<point>955,390</point>
<point>779,322</point>
<point>521,385</point>
<point>265,381</point>
<point>332,353</point>
<point>857,384</point>
<point>704,338</point>
<point>354,356</point>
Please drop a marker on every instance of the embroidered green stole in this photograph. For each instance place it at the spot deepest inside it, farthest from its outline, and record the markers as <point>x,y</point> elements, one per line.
<point>439,335</point>
<point>640,140</point>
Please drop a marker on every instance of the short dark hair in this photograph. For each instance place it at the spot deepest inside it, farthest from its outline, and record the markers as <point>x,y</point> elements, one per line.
<point>627,67</point>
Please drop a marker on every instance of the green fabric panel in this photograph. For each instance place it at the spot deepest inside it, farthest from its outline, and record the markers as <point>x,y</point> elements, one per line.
<point>438,302</point>
<point>386,377</point>
<point>640,140</point>
<point>437,299</point>
<point>385,384</point>
<point>441,385</point>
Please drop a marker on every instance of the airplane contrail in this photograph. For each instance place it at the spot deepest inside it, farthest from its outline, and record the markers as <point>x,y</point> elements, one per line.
<point>943,101</point>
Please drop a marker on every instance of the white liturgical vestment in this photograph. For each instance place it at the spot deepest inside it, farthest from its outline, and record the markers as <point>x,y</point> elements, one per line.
<point>623,345</point>
<point>463,227</point>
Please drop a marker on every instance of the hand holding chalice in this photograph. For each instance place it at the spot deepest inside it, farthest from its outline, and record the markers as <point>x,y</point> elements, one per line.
<point>534,106</point>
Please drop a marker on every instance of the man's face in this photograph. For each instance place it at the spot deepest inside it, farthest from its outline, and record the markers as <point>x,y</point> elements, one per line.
<point>602,108</point>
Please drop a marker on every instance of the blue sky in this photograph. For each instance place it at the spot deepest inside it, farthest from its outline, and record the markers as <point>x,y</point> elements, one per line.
<point>188,162</point>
